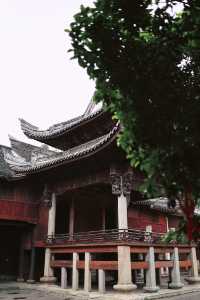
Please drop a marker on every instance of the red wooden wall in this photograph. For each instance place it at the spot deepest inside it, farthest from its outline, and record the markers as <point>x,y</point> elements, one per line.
<point>140,218</point>
<point>18,211</point>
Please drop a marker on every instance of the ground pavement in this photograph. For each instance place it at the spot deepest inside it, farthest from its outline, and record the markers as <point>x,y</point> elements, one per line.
<point>23,291</point>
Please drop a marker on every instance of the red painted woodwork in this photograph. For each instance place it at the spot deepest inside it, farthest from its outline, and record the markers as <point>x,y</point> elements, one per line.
<point>113,265</point>
<point>164,250</point>
<point>184,250</point>
<point>139,219</point>
<point>84,248</point>
<point>139,249</point>
<point>138,265</point>
<point>104,265</point>
<point>61,263</point>
<point>18,211</point>
<point>42,225</point>
<point>163,264</point>
<point>185,263</point>
<point>39,244</point>
<point>81,264</point>
<point>173,221</point>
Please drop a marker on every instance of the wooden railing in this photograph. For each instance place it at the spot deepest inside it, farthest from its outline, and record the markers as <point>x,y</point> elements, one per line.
<point>128,235</point>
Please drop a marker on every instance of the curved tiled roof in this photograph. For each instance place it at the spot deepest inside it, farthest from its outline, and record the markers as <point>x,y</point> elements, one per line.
<point>58,129</point>
<point>27,151</point>
<point>160,204</point>
<point>20,166</point>
<point>5,170</point>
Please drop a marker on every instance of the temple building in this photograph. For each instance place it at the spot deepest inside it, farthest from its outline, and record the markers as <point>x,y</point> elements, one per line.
<point>71,212</point>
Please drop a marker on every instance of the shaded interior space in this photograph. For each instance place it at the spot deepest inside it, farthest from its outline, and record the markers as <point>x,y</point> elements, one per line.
<point>39,264</point>
<point>86,209</point>
<point>9,251</point>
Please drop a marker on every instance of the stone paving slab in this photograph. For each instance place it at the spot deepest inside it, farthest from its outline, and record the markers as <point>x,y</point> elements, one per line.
<point>24,291</point>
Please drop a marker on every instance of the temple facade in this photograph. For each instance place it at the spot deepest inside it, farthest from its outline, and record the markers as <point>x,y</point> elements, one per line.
<point>72,213</point>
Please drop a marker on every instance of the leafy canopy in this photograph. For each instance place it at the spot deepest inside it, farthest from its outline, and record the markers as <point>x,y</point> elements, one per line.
<point>145,61</point>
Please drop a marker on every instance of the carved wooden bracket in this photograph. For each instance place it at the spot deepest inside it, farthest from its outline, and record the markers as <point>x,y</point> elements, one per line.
<point>121,182</point>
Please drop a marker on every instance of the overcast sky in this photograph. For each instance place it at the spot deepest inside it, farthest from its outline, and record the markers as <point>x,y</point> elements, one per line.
<point>38,81</point>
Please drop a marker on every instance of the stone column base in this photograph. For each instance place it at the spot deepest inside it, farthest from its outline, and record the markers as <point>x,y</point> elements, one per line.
<point>48,279</point>
<point>30,281</point>
<point>151,289</point>
<point>176,285</point>
<point>20,279</point>
<point>125,287</point>
<point>193,280</point>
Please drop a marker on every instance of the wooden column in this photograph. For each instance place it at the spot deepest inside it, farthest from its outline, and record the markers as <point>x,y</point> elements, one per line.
<point>103,213</point>
<point>20,277</point>
<point>32,267</point>
<point>71,219</point>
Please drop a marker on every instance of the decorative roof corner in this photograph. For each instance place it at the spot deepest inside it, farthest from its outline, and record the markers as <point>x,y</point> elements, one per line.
<point>59,129</point>
<point>25,126</point>
<point>21,166</point>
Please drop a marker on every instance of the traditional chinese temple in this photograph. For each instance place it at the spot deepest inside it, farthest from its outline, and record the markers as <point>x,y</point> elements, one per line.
<point>71,212</point>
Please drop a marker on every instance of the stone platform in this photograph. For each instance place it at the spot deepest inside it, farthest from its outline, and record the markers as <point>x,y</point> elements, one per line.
<point>17,290</point>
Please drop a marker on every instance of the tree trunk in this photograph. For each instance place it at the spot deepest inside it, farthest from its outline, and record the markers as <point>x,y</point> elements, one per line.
<point>188,207</point>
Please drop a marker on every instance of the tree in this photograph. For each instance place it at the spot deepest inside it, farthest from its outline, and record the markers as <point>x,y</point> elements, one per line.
<point>145,62</point>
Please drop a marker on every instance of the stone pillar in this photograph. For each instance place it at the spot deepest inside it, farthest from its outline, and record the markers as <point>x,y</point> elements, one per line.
<point>124,270</point>
<point>32,267</point>
<point>20,277</point>
<point>101,281</point>
<point>71,219</point>
<point>52,216</point>
<point>175,273</point>
<point>150,272</point>
<point>167,255</point>
<point>193,256</point>
<point>122,186</point>
<point>63,278</point>
<point>194,269</point>
<point>75,272</point>
<point>122,212</point>
<point>48,271</point>
<point>87,273</point>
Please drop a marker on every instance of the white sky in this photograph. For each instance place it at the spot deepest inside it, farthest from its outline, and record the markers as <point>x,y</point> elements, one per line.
<point>38,81</point>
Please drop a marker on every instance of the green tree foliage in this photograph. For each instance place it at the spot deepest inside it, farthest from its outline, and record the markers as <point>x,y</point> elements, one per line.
<point>146,65</point>
<point>173,236</point>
